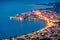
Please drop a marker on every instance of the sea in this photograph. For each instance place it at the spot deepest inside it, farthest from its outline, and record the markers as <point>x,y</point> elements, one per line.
<point>10,28</point>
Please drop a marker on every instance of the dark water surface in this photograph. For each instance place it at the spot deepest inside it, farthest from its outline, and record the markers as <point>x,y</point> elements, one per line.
<point>15,27</point>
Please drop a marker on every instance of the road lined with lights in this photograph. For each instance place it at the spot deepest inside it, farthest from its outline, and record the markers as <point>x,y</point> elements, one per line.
<point>48,16</point>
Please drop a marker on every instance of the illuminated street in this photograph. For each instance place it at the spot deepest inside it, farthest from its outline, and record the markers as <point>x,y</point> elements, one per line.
<point>51,19</point>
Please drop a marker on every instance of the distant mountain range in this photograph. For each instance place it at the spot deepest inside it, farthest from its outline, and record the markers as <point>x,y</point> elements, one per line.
<point>55,7</point>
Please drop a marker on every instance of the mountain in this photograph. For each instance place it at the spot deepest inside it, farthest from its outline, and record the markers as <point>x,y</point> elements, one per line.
<point>55,7</point>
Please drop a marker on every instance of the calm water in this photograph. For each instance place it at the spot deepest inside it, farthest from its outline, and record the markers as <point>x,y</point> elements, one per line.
<point>15,27</point>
